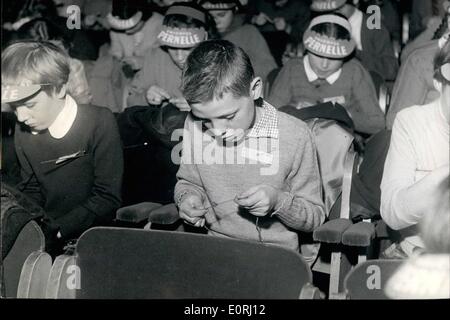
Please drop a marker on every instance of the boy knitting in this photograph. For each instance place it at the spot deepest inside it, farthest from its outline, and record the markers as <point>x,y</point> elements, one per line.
<point>271,188</point>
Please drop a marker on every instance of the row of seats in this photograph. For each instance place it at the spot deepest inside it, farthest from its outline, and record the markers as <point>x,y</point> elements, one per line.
<point>127,263</point>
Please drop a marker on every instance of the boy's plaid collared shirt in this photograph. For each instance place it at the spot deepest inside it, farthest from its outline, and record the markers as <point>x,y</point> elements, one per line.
<point>267,126</point>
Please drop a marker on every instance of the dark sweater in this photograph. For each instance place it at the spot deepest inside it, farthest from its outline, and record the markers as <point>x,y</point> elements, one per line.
<point>81,192</point>
<point>354,84</point>
<point>377,54</point>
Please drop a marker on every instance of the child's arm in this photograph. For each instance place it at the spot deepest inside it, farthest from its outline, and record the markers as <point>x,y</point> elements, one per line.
<point>105,196</point>
<point>189,180</point>
<point>301,207</point>
<point>189,194</point>
<point>382,58</point>
<point>410,88</point>
<point>29,184</point>
<point>404,201</point>
<point>366,113</point>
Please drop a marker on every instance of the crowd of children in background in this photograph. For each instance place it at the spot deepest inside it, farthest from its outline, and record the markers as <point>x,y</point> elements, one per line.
<point>160,66</point>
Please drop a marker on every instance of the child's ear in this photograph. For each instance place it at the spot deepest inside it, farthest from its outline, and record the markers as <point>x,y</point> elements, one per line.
<point>61,94</point>
<point>256,88</point>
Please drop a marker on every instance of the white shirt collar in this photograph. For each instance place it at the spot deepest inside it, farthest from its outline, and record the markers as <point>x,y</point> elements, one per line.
<point>356,21</point>
<point>312,76</point>
<point>65,119</point>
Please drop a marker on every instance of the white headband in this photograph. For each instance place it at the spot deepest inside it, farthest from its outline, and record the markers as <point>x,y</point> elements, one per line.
<point>325,46</point>
<point>331,18</point>
<point>120,24</point>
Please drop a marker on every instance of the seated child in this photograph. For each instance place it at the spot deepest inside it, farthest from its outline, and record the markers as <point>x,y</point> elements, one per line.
<point>247,171</point>
<point>231,27</point>
<point>70,154</point>
<point>132,34</point>
<point>324,75</point>
<point>280,22</point>
<point>414,84</point>
<point>417,164</point>
<point>41,29</point>
<point>374,47</point>
<point>158,82</point>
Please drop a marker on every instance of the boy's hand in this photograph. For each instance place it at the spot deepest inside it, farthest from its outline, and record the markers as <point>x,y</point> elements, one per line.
<point>156,95</point>
<point>259,200</point>
<point>192,210</point>
<point>181,104</point>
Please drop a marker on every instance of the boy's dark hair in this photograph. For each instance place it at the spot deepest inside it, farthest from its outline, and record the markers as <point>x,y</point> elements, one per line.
<point>441,58</point>
<point>214,68</point>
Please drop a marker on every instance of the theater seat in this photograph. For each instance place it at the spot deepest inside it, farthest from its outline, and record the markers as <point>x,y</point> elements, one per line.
<point>368,279</point>
<point>124,263</point>
<point>64,279</point>
<point>164,215</point>
<point>332,231</point>
<point>359,234</point>
<point>30,239</point>
<point>34,275</point>
<point>350,243</point>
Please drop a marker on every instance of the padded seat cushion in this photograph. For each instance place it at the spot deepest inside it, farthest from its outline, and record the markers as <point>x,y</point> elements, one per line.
<point>331,231</point>
<point>136,213</point>
<point>359,235</point>
<point>167,214</point>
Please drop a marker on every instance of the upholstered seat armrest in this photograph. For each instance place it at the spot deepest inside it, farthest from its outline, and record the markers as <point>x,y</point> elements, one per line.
<point>332,231</point>
<point>136,213</point>
<point>359,234</point>
<point>167,214</point>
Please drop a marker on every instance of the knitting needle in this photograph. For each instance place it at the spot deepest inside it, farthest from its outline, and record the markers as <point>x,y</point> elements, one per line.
<point>136,145</point>
<point>64,158</point>
<point>219,203</point>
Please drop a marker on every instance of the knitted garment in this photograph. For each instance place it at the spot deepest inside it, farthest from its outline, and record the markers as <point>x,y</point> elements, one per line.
<point>422,277</point>
<point>378,52</point>
<point>159,70</point>
<point>279,151</point>
<point>354,90</point>
<point>80,191</point>
<point>419,145</point>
